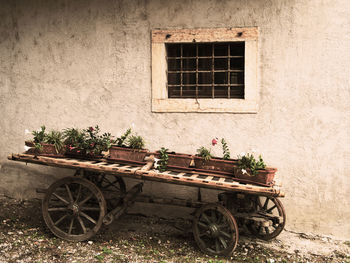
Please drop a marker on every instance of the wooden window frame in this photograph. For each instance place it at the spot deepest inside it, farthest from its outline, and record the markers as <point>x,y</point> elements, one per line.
<point>160,100</point>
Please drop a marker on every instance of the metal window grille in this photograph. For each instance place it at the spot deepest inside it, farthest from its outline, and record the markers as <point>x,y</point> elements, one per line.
<point>205,70</point>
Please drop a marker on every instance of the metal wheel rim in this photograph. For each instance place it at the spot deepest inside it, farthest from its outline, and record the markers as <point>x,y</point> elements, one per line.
<point>78,215</point>
<point>269,206</point>
<point>215,230</point>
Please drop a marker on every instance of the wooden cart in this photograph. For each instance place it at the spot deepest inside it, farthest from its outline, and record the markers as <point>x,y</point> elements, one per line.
<point>74,208</point>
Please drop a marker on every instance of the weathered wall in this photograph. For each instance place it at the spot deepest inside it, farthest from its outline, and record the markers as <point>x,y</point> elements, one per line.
<point>80,63</point>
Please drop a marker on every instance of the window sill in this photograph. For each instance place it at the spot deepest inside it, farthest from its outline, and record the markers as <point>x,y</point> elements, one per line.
<point>204,105</point>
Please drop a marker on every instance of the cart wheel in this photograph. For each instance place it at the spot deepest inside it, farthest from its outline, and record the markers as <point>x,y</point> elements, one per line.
<point>73,208</point>
<point>112,187</point>
<point>271,208</point>
<point>215,230</point>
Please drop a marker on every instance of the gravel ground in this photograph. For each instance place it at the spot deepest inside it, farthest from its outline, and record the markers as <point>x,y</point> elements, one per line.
<point>136,238</point>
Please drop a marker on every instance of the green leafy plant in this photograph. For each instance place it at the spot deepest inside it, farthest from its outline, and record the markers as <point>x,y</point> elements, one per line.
<point>55,138</point>
<point>39,137</point>
<point>87,141</point>
<point>120,140</point>
<point>248,161</point>
<point>164,157</point>
<point>225,149</point>
<point>204,153</point>
<point>136,142</point>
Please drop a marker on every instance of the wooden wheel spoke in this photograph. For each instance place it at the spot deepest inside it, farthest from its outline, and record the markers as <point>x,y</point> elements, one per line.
<point>88,217</point>
<point>225,234</point>
<point>205,233</point>
<point>203,225</point>
<point>54,209</point>
<point>60,220</point>
<point>213,215</point>
<point>60,198</point>
<point>82,224</point>
<point>266,203</point>
<point>204,216</point>
<point>71,226</point>
<point>217,245</point>
<point>267,231</point>
<point>89,208</point>
<point>223,242</point>
<point>79,193</point>
<point>271,208</point>
<point>86,199</point>
<point>69,193</point>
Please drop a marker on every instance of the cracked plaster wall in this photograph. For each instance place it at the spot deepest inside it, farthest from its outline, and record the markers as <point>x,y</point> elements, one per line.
<point>80,63</point>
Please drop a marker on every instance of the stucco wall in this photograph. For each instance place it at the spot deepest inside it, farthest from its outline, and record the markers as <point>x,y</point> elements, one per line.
<point>80,63</point>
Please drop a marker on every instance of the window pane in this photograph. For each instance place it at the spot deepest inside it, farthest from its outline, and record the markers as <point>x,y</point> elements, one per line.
<point>189,64</point>
<point>220,63</point>
<point>189,78</point>
<point>237,63</point>
<point>220,78</point>
<point>174,78</point>
<point>220,92</point>
<point>189,50</point>
<point>204,64</point>
<point>204,78</point>
<point>174,64</point>
<point>237,49</point>
<point>204,50</point>
<point>237,77</point>
<point>173,50</point>
<point>237,92</point>
<point>220,49</point>
<point>205,92</point>
<point>174,92</point>
<point>189,92</point>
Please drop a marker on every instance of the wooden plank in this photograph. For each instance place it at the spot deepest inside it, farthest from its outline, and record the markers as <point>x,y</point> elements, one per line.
<point>205,35</point>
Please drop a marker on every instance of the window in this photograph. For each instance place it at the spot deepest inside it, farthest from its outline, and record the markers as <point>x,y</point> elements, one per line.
<point>205,70</point>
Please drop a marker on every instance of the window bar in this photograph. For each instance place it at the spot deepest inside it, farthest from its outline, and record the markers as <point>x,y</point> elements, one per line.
<point>197,71</point>
<point>228,71</point>
<point>212,71</point>
<point>181,69</point>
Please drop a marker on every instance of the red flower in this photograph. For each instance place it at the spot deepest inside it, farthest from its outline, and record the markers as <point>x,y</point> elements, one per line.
<point>92,144</point>
<point>214,141</point>
<point>91,129</point>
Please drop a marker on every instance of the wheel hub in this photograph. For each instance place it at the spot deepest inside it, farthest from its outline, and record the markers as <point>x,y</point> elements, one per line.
<point>74,209</point>
<point>214,230</point>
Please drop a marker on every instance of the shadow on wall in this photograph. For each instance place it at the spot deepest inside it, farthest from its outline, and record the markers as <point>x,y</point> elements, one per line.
<point>22,179</point>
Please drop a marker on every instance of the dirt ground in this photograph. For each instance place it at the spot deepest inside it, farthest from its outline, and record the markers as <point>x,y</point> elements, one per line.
<point>136,238</point>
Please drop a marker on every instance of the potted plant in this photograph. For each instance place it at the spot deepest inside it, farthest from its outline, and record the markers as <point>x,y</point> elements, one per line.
<point>161,164</point>
<point>86,143</point>
<point>253,170</point>
<point>128,148</point>
<point>46,144</point>
<point>205,162</point>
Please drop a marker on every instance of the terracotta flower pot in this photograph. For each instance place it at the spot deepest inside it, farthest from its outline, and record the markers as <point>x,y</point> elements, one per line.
<point>216,165</point>
<point>263,177</point>
<point>123,154</point>
<point>81,154</point>
<point>46,150</point>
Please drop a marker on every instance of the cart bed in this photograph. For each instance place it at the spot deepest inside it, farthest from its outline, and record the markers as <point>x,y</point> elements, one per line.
<point>210,181</point>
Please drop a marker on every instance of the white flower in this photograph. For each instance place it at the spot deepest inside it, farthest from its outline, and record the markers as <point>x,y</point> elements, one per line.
<point>26,131</point>
<point>133,125</point>
<point>156,160</point>
<point>244,171</point>
<point>253,150</point>
<point>26,148</point>
<point>242,154</point>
